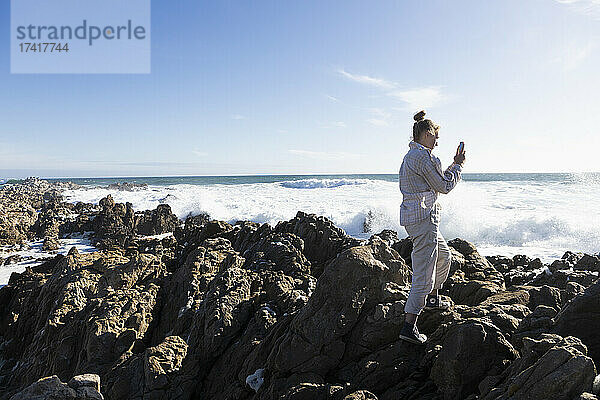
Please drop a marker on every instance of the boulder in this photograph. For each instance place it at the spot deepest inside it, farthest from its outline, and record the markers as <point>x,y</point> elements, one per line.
<point>471,350</point>
<point>505,317</point>
<point>278,251</point>
<point>323,241</point>
<point>550,368</point>
<point>472,278</point>
<point>361,395</point>
<point>155,222</point>
<point>19,205</point>
<point>73,319</point>
<point>534,324</point>
<point>588,263</point>
<point>114,225</point>
<point>587,396</point>
<point>529,296</point>
<point>580,317</point>
<point>82,387</point>
<point>319,336</point>
<point>317,391</point>
<point>404,248</point>
<point>151,374</point>
<point>185,290</point>
<point>561,278</point>
<point>388,236</point>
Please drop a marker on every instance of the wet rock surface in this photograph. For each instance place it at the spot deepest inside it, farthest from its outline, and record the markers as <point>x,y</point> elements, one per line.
<point>19,206</point>
<point>81,387</point>
<point>296,311</point>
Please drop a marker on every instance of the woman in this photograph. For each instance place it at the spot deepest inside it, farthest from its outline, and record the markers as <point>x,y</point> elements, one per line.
<point>421,179</point>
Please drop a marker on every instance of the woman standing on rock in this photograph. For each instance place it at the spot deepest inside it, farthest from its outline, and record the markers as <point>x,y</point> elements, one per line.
<point>421,180</point>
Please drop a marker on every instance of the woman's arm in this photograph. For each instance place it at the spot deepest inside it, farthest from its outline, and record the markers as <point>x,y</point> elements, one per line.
<point>442,183</point>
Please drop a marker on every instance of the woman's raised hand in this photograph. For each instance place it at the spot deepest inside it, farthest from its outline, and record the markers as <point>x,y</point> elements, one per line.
<point>459,158</point>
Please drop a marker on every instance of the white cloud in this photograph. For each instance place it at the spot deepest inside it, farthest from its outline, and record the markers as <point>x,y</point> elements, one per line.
<point>574,56</point>
<point>237,117</point>
<point>332,98</point>
<point>200,153</point>
<point>420,98</point>
<point>380,112</point>
<point>334,124</point>
<point>591,8</point>
<point>367,80</point>
<point>415,98</point>
<point>378,122</point>
<point>423,97</point>
<point>382,117</point>
<point>321,155</point>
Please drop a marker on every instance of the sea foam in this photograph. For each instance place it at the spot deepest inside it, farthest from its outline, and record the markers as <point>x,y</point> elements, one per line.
<point>321,183</point>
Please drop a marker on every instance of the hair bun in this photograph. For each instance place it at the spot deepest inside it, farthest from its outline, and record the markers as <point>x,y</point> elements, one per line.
<point>419,116</point>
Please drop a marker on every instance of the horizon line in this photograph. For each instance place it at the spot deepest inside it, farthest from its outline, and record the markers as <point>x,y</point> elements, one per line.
<point>269,174</point>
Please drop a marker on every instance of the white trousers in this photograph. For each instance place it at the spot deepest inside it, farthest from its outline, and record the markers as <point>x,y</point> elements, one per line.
<point>431,260</point>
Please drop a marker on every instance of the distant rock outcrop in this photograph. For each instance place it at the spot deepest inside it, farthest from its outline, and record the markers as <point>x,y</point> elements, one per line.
<point>116,224</point>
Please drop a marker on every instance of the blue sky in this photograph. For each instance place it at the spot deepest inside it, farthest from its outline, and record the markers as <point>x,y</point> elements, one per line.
<point>271,87</point>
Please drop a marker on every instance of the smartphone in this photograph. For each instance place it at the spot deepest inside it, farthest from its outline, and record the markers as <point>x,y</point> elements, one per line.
<point>461,147</point>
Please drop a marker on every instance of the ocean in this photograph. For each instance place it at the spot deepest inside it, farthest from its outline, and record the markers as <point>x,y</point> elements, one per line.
<point>541,215</point>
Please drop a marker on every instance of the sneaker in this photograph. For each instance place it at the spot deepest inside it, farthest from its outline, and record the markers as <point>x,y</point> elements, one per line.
<point>410,333</point>
<point>436,303</point>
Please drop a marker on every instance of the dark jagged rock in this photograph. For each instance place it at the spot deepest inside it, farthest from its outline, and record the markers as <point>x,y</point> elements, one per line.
<point>317,391</point>
<point>155,222</point>
<point>229,310</point>
<point>81,387</point>
<point>197,229</point>
<point>470,351</point>
<point>18,205</point>
<point>534,324</point>
<point>561,279</point>
<point>278,251</point>
<point>404,248</point>
<point>588,263</point>
<point>473,279</point>
<point>11,260</point>
<point>322,330</point>
<point>571,258</point>
<point>164,249</point>
<point>504,317</point>
<point>323,241</point>
<point>76,320</point>
<point>549,368</point>
<point>529,296</point>
<point>571,290</point>
<point>116,224</point>
<point>387,235</point>
<point>587,396</point>
<point>183,293</point>
<point>157,367</point>
<point>361,395</point>
<point>580,317</point>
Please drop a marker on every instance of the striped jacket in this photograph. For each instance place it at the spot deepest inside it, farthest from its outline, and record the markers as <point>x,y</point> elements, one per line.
<point>421,179</point>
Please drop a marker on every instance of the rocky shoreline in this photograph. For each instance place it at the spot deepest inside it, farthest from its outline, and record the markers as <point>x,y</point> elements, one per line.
<point>296,311</point>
